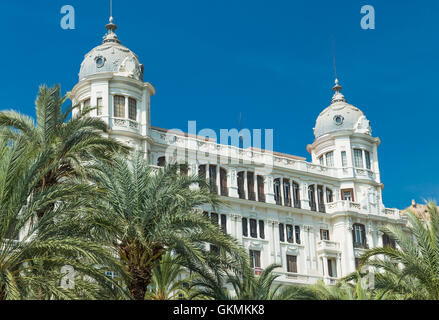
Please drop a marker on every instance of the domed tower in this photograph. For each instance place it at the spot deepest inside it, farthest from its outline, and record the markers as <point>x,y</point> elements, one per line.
<point>111,79</point>
<point>343,142</point>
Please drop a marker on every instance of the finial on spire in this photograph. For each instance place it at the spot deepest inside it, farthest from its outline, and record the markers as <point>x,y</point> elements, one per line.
<point>338,96</point>
<point>111,35</point>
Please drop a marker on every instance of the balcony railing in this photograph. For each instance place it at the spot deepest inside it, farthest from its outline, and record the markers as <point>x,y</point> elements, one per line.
<point>361,245</point>
<point>279,201</point>
<point>327,245</point>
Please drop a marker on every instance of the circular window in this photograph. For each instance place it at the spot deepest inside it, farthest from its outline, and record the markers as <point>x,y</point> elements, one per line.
<point>100,61</point>
<point>338,120</point>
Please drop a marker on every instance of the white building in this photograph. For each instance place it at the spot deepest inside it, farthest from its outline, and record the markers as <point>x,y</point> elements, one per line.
<point>314,218</point>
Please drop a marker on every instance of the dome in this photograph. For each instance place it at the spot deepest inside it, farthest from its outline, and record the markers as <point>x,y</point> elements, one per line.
<point>111,56</point>
<point>341,116</point>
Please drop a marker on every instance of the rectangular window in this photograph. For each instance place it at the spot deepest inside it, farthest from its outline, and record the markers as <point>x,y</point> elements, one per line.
<point>324,234</point>
<point>347,194</point>
<point>241,191</point>
<point>251,186</point>
<point>367,158</point>
<point>331,269</point>
<point>329,196</point>
<point>261,229</point>
<point>253,228</point>
<point>344,159</point>
<point>119,106</point>
<point>277,196</point>
<point>311,196</point>
<point>132,109</point>
<point>99,105</point>
<point>224,223</point>
<point>223,182</point>
<point>292,264</point>
<point>261,190</point>
<point>297,233</point>
<point>296,195</point>
<point>359,235</point>
<point>255,258</point>
<point>322,160</point>
<point>86,104</point>
<point>244,227</point>
<point>212,179</point>
<point>330,159</point>
<point>320,197</point>
<point>358,158</point>
<point>290,234</point>
<point>214,218</point>
<point>287,196</point>
<point>281,232</point>
<point>388,242</point>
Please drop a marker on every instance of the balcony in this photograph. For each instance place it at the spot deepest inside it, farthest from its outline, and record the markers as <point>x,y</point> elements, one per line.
<point>125,123</point>
<point>328,246</point>
<point>342,206</point>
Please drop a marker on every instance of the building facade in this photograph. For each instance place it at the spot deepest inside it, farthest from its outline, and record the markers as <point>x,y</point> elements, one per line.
<point>313,218</point>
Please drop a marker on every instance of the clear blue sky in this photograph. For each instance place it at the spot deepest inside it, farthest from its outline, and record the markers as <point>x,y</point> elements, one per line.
<point>270,60</point>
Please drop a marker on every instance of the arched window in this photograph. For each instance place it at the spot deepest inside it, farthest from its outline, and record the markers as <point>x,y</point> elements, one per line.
<point>161,162</point>
<point>287,193</point>
<point>212,179</point>
<point>296,195</point>
<point>223,182</point>
<point>320,197</point>
<point>132,109</point>
<point>251,186</point>
<point>119,106</point>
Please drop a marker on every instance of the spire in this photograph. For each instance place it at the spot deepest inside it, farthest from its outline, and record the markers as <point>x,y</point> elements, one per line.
<point>111,35</point>
<point>338,96</point>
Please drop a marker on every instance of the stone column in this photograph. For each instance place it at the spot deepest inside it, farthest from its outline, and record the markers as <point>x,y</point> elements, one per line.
<point>233,183</point>
<point>304,196</point>
<point>339,270</point>
<point>269,189</point>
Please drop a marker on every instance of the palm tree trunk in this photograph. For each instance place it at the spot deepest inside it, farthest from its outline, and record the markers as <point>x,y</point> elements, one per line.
<point>140,279</point>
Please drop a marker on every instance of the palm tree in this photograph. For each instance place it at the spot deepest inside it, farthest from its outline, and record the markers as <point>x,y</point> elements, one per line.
<point>415,260</point>
<point>244,286</point>
<point>27,245</point>
<point>166,282</point>
<point>70,143</point>
<point>149,212</point>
